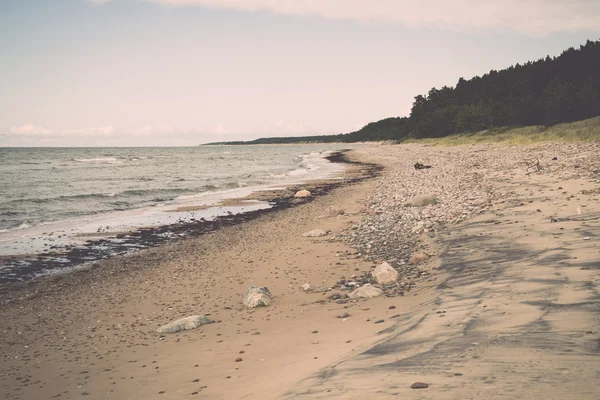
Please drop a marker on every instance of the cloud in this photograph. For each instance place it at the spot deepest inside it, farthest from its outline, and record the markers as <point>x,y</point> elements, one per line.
<point>98,1</point>
<point>534,17</point>
<point>30,129</point>
<point>33,130</point>
<point>99,131</point>
<point>147,135</point>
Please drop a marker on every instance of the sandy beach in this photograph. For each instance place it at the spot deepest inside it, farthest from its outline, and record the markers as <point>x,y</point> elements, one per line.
<point>498,295</point>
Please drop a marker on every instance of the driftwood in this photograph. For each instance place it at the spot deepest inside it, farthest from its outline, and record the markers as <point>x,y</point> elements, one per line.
<point>418,165</point>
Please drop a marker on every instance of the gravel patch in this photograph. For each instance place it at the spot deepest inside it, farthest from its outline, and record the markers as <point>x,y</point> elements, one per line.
<point>462,182</point>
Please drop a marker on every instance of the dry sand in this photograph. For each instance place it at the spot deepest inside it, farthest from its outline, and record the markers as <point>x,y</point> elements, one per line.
<point>509,309</point>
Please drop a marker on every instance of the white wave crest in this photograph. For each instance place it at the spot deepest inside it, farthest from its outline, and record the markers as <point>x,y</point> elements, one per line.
<point>298,172</point>
<point>105,160</point>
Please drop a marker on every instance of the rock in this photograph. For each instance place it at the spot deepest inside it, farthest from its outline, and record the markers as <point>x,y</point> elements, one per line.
<point>315,233</point>
<point>385,274</point>
<point>303,193</point>
<point>367,291</point>
<point>380,321</point>
<point>418,165</point>
<point>257,297</point>
<point>334,296</point>
<point>332,211</point>
<point>419,385</point>
<point>418,258</point>
<point>420,227</point>
<point>184,324</point>
<point>422,201</point>
<point>306,287</point>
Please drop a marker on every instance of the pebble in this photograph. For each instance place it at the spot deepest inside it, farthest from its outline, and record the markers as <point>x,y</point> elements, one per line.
<point>419,385</point>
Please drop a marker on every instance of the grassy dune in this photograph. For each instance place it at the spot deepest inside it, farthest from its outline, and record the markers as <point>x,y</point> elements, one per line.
<point>581,131</point>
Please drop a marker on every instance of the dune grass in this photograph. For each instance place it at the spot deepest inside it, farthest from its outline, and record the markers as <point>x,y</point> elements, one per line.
<point>581,131</point>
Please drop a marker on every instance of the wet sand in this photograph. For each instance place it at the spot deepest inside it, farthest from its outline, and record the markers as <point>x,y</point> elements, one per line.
<point>508,308</point>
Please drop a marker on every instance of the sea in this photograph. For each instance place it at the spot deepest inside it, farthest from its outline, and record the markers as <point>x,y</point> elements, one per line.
<point>52,198</point>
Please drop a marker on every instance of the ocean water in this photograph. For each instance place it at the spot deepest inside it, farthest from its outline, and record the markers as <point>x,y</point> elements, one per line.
<point>41,185</point>
<point>65,208</point>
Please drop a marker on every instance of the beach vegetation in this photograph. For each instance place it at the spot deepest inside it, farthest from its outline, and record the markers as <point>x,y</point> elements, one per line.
<point>579,131</point>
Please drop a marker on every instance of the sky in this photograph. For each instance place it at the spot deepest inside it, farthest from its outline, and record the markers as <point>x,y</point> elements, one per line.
<point>185,72</point>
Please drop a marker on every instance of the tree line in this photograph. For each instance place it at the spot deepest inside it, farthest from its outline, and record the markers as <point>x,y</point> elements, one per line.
<point>546,92</point>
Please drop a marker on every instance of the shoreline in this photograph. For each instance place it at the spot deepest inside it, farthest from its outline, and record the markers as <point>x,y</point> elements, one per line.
<point>136,200</point>
<point>488,288</point>
<point>105,245</point>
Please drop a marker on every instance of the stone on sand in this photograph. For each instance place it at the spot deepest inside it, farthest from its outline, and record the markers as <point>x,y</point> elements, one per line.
<point>421,201</point>
<point>302,193</point>
<point>418,258</point>
<point>419,385</point>
<point>419,228</point>
<point>367,291</point>
<point>315,233</point>
<point>385,274</point>
<point>307,288</point>
<point>257,297</point>
<point>184,324</point>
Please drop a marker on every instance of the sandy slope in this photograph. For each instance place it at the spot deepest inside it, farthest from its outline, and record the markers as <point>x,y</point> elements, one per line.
<point>517,314</point>
<point>511,310</point>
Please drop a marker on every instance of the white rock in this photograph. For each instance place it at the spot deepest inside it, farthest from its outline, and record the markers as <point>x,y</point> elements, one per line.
<point>418,228</point>
<point>257,297</point>
<point>306,287</point>
<point>315,233</point>
<point>421,201</point>
<point>367,291</point>
<point>302,193</point>
<point>385,274</point>
<point>184,324</point>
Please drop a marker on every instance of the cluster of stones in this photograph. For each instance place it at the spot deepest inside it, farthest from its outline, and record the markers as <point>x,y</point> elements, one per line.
<point>384,280</point>
<point>409,203</point>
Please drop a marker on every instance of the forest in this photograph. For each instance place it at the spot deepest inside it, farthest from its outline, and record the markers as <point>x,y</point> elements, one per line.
<point>548,91</point>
